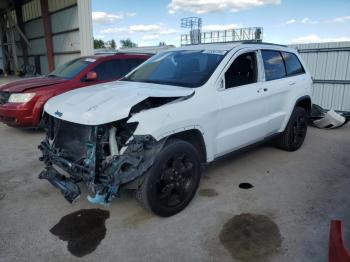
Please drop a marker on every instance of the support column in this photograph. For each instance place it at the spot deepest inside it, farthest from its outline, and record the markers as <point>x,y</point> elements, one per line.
<point>3,42</point>
<point>48,33</point>
<point>13,44</point>
<point>19,16</point>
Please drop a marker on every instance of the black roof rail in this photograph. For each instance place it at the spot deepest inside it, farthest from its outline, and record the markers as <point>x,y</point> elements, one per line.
<point>262,43</point>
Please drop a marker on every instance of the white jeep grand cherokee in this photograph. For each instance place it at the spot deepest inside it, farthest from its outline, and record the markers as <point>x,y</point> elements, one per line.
<point>182,108</point>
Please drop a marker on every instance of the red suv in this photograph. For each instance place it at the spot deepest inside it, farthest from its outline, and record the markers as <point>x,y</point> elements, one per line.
<point>22,102</point>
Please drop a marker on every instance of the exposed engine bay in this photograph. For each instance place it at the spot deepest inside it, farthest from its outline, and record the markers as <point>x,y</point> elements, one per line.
<point>91,139</point>
<point>103,157</point>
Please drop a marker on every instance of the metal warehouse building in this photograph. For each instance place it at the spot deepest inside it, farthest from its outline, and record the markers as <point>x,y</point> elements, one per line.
<point>44,33</point>
<point>329,64</point>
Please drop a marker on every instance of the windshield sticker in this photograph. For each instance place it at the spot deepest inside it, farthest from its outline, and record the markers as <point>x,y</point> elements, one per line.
<point>91,60</point>
<point>215,52</point>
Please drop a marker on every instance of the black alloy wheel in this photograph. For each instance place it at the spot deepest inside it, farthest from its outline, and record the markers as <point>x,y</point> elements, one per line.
<point>299,130</point>
<point>294,135</point>
<point>172,181</point>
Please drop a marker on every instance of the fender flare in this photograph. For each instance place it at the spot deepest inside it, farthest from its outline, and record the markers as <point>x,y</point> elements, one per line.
<point>181,129</point>
<point>306,97</point>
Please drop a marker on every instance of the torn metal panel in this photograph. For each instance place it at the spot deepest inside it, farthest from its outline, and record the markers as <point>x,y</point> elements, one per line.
<point>85,153</point>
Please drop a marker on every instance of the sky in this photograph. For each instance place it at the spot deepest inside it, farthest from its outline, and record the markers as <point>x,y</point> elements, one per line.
<point>148,22</point>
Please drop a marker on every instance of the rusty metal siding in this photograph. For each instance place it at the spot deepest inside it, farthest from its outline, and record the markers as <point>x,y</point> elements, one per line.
<point>329,64</point>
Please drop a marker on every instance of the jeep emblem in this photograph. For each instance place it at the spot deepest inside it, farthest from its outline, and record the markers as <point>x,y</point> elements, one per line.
<point>58,113</point>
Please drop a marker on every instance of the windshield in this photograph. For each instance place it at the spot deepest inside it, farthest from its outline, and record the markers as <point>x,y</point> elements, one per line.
<point>180,68</point>
<point>72,68</point>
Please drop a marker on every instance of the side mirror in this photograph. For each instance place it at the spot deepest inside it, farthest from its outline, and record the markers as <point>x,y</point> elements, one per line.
<point>221,84</point>
<point>91,76</point>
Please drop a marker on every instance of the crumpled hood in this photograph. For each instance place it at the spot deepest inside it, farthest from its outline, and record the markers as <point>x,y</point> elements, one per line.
<point>29,83</point>
<point>109,102</point>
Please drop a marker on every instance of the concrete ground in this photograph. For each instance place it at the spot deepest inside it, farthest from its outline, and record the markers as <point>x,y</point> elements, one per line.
<point>298,194</point>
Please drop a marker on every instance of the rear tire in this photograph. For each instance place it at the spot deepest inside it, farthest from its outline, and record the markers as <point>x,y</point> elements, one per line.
<point>293,137</point>
<point>172,181</point>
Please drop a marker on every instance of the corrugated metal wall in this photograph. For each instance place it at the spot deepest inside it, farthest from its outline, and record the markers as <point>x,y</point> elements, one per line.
<point>329,64</point>
<point>31,10</point>
<point>85,23</point>
<point>67,33</point>
<point>55,5</point>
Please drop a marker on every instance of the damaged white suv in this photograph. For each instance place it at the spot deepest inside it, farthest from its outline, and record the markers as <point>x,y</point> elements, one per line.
<point>153,130</point>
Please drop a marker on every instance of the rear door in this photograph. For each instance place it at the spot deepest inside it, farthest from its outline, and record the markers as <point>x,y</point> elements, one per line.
<point>282,73</point>
<point>244,106</point>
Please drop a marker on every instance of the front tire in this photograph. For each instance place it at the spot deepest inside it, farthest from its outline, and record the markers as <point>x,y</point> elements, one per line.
<point>172,181</point>
<point>293,137</point>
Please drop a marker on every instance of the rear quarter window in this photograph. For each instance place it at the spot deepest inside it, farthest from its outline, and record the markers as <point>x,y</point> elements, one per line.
<point>293,65</point>
<point>273,64</point>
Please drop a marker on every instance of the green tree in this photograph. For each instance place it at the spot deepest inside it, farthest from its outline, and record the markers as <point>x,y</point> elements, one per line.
<point>127,43</point>
<point>99,43</point>
<point>113,44</point>
<point>162,44</point>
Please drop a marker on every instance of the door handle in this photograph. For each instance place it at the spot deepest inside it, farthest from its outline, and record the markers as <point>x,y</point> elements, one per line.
<point>291,83</point>
<point>260,90</point>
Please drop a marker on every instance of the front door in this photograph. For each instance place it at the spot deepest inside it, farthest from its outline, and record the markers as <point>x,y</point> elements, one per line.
<point>243,114</point>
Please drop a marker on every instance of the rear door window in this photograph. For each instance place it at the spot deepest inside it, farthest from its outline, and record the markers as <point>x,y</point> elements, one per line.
<point>293,65</point>
<point>131,64</point>
<point>123,66</point>
<point>273,64</point>
<point>118,68</point>
<point>104,71</point>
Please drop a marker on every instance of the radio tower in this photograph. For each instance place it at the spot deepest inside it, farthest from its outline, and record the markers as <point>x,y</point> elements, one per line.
<point>195,23</point>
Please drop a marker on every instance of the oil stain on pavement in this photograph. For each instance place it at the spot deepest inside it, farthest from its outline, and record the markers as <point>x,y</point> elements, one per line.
<point>250,237</point>
<point>208,192</point>
<point>245,186</point>
<point>83,230</point>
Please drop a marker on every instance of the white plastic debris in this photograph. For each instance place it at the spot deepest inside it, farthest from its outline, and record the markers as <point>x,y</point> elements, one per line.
<point>330,120</point>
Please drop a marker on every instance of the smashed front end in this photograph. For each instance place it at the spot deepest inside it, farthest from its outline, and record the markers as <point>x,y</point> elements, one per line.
<point>103,157</point>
